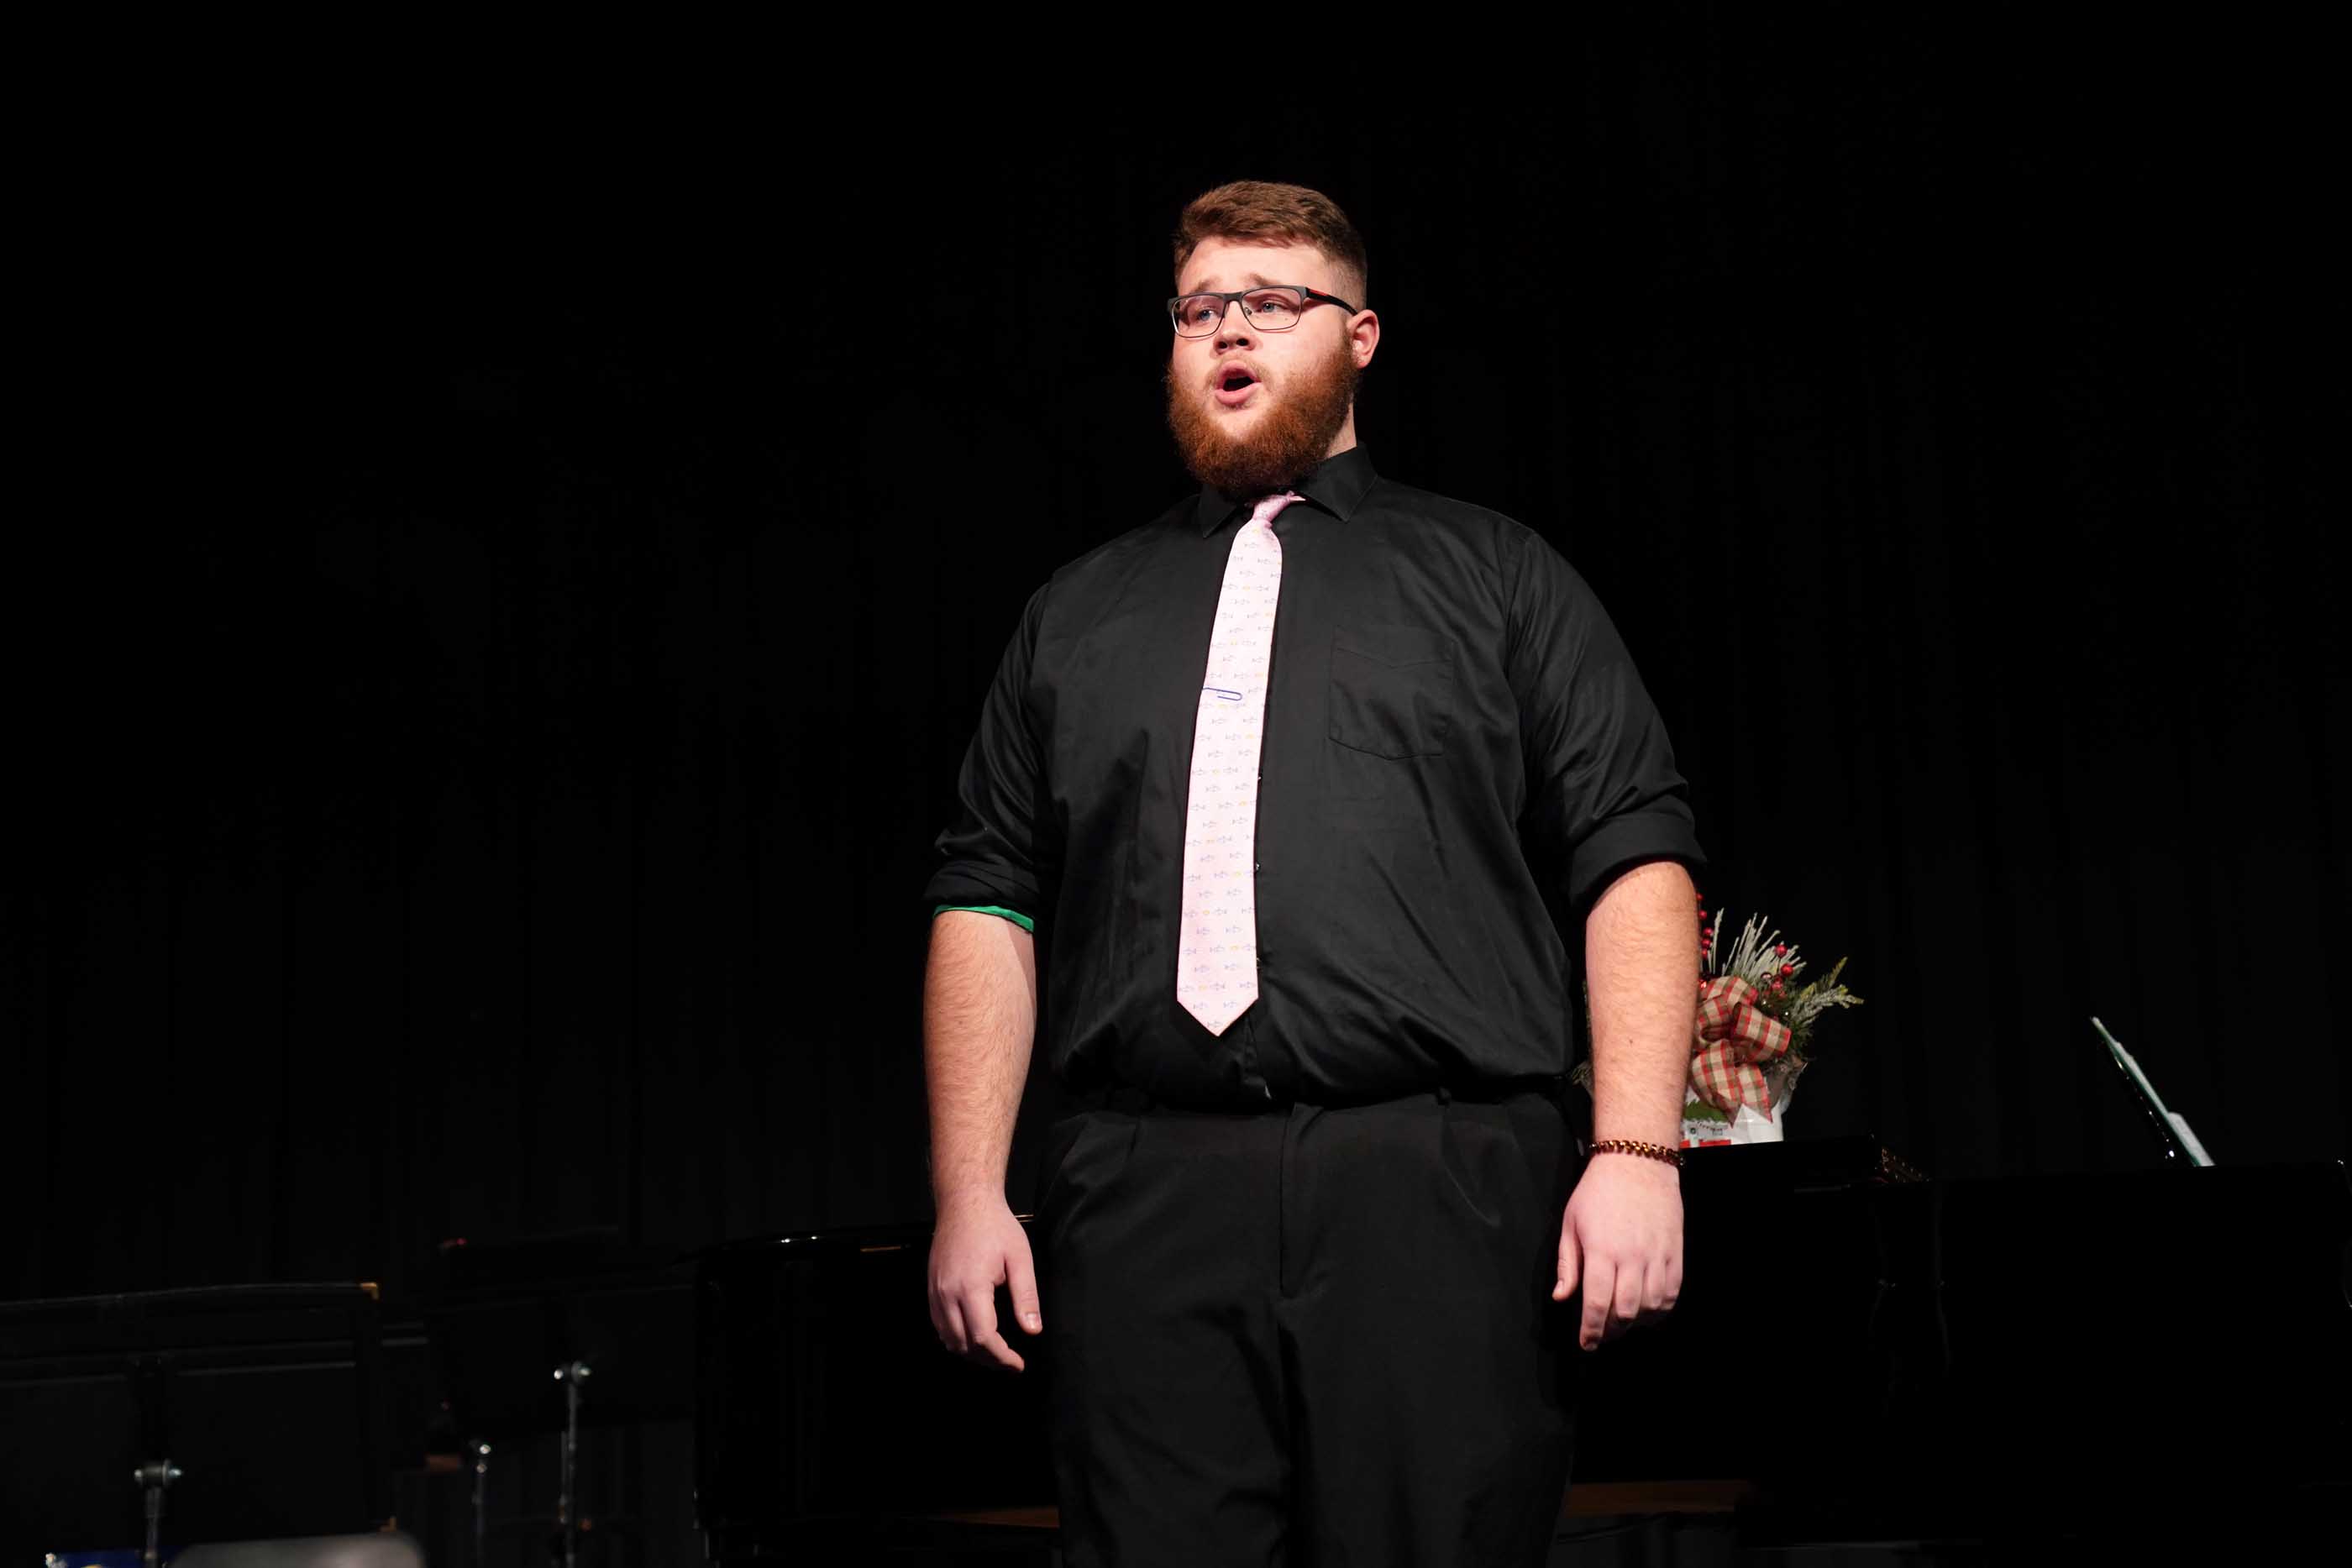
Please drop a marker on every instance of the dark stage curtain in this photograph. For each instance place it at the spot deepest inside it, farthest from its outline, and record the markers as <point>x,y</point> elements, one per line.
<point>493,690</point>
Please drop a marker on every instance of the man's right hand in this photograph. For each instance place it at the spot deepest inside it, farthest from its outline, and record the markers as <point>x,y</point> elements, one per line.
<point>977,1246</point>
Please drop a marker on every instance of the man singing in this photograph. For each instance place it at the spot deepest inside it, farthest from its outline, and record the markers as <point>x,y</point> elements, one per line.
<point>1282,778</point>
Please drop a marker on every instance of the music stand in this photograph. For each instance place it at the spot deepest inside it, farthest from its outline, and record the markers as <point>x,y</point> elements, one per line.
<point>547,1335</point>
<point>246,1411</point>
<point>2181,1145</point>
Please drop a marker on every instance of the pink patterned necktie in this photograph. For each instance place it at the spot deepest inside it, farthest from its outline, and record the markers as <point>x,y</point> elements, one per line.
<point>1216,948</point>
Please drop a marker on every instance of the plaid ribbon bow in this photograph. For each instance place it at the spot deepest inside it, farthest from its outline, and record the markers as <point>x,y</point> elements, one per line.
<point>1734,1035</point>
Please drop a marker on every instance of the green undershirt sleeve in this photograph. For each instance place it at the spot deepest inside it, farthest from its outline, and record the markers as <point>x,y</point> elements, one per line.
<point>1018,919</point>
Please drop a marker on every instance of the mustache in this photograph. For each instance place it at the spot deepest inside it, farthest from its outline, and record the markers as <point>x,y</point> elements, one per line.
<point>1288,436</point>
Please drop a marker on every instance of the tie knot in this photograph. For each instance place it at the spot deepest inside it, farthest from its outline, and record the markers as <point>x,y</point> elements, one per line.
<point>1265,509</point>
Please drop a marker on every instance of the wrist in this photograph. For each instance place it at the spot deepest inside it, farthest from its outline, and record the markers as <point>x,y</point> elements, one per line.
<point>965,1194</point>
<point>1640,1152</point>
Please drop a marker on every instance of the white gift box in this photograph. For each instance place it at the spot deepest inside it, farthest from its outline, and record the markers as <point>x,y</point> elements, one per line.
<point>1747,1125</point>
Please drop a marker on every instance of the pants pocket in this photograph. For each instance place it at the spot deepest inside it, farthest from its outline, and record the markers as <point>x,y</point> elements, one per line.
<point>1084,1153</point>
<point>1481,1153</point>
<point>1540,1128</point>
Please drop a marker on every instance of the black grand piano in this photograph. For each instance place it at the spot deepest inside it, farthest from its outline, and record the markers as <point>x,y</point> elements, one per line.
<point>1858,1355</point>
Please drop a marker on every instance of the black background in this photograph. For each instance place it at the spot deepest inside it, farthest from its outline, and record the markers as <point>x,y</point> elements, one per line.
<point>501,654</point>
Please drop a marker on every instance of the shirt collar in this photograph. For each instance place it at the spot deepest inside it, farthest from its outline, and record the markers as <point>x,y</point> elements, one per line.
<point>1337,485</point>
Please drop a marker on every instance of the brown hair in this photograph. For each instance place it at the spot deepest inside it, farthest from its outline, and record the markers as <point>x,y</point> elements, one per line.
<point>1258,210</point>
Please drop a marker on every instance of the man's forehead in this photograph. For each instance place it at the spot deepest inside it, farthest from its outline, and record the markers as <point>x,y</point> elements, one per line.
<point>1231,263</point>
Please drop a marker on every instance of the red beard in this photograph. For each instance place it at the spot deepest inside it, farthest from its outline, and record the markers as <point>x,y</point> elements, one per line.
<point>1287,439</point>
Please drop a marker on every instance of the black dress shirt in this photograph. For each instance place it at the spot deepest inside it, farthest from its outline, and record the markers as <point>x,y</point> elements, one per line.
<point>1452,732</point>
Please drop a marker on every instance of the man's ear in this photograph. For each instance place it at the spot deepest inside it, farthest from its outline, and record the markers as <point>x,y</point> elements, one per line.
<point>1364,332</point>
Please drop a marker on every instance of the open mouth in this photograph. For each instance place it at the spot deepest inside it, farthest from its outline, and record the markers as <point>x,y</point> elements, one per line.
<point>1234,385</point>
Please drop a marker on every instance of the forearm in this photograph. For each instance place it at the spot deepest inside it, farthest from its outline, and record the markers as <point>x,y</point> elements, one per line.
<point>1641,962</point>
<point>980,1018</point>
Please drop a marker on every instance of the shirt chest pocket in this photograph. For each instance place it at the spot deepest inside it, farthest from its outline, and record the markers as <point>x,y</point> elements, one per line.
<point>1391,690</point>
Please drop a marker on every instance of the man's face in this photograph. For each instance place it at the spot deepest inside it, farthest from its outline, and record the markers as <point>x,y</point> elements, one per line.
<point>1253,410</point>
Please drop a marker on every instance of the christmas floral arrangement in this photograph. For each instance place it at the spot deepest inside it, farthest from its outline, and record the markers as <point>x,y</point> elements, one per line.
<point>1754,1033</point>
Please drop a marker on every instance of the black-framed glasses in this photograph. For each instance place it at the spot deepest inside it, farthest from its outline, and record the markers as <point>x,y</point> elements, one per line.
<point>1269,307</point>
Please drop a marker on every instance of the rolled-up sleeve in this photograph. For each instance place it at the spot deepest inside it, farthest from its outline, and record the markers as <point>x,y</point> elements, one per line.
<point>1603,795</point>
<point>992,855</point>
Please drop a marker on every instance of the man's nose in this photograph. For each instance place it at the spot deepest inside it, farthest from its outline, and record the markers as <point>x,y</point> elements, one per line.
<point>1227,332</point>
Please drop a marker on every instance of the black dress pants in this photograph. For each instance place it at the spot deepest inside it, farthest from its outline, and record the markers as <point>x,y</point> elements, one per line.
<point>1309,1336</point>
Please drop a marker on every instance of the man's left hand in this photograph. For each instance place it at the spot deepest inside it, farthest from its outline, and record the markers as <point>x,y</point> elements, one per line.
<point>1621,1239</point>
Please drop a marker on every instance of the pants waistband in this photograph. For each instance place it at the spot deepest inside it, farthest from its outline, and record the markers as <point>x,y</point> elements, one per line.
<point>1132,1097</point>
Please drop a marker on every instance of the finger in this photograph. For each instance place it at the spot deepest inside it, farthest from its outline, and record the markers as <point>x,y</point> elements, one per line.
<point>979,1317</point>
<point>1023,1291</point>
<point>950,1319</point>
<point>1565,1285</point>
<point>991,1351</point>
<point>1600,1283</point>
<point>1625,1307</point>
<point>1670,1286</point>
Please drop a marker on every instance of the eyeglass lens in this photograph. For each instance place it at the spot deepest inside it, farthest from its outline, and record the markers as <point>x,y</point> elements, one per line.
<point>1270,310</point>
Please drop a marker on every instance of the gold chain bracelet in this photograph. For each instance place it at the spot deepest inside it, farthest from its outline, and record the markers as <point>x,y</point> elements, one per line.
<point>1648,1151</point>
